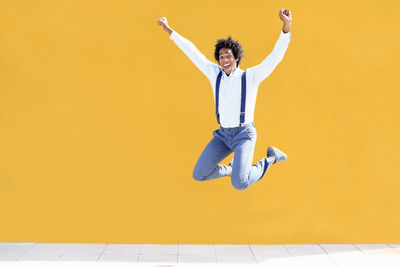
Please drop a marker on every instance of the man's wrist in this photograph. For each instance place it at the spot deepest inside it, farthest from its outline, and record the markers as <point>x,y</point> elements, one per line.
<point>286,27</point>
<point>168,30</point>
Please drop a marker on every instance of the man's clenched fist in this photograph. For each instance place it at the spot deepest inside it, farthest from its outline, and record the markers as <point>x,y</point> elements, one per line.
<point>163,22</point>
<point>285,16</point>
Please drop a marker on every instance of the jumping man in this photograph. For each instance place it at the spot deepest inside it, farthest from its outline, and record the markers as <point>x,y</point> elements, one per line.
<point>235,93</point>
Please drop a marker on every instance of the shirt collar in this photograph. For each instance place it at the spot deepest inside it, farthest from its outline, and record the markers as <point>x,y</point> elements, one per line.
<point>233,73</point>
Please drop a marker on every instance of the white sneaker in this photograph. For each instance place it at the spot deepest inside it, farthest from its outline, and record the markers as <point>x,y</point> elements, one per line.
<point>276,154</point>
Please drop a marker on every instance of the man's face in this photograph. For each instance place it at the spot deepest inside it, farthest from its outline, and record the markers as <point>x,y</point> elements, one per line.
<point>227,60</point>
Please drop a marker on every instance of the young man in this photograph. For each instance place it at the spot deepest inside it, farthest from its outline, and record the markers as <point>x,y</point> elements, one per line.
<point>235,93</point>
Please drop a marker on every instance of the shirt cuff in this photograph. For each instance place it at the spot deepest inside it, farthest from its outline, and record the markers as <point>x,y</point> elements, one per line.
<point>285,35</point>
<point>172,36</point>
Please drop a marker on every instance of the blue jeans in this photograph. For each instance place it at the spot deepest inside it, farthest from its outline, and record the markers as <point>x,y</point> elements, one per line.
<point>240,140</point>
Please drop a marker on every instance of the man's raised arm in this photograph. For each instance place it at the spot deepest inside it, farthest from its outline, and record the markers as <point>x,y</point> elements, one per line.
<point>264,69</point>
<point>201,62</point>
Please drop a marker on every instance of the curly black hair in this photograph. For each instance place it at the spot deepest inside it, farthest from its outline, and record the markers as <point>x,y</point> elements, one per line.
<point>237,49</point>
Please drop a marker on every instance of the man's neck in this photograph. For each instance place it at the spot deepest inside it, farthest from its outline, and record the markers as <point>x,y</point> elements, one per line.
<point>231,71</point>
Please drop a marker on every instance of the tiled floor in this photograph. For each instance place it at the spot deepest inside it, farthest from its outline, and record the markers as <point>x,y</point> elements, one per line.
<point>323,255</point>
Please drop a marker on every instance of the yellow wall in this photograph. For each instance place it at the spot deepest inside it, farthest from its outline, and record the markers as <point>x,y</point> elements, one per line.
<point>102,119</point>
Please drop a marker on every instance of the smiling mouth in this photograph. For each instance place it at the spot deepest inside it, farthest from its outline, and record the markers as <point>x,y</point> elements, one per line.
<point>226,66</point>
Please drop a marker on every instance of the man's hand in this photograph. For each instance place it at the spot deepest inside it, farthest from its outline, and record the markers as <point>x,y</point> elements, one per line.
<point>164,24</point>
<point>286,17</point>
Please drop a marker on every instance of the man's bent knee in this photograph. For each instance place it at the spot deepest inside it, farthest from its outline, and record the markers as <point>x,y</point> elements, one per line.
<point>239,184</point>
<point>198,176</point>
<point>240,187</point>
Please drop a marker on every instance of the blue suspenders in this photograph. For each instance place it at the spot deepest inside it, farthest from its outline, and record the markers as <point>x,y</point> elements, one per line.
<point>217,95</point>
<point>242,101</point>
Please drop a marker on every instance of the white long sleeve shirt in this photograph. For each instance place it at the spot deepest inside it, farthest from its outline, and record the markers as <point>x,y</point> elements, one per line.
<point>231,86</point>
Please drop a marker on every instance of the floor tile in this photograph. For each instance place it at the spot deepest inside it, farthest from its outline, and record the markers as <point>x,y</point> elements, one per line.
<point>119,257</point>
<point>40,256</point>
<point>384,257</point>
<point>232,249</point>
<point>166,259</point>
<point>297,250</point>
<point>319,260</point>
<point>11,256</point>
<point>85,248</point>
<point>269,249</point>
<point>352,259</point>
<point>197,258</point>
<point>235,258</point>
<point>52,245</point>
<point>123,249</point>
<point>48,249</point>
<point>263,258</point>
<point>338,248</point>
<point>29,244</point>
<point>149,249</point>
<point>281,262</point>
<point>316,260</point>
<point>4,248</point>
<point>324,255</point>
<point>79,257</point>
<point>395,246</point>
<point>196,249</point>
<point>369,247</point>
